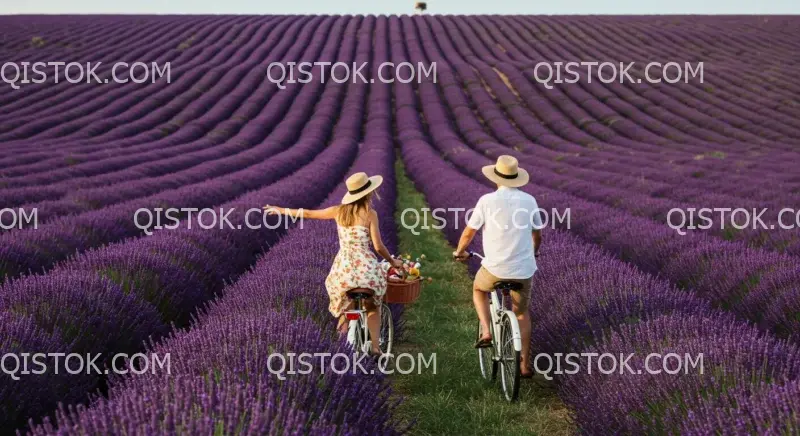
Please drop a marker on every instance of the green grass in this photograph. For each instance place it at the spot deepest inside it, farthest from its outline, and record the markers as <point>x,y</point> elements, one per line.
<point>456,400</point>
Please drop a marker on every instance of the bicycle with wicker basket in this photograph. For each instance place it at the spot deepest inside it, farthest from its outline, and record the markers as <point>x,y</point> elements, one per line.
<point>404,286</point>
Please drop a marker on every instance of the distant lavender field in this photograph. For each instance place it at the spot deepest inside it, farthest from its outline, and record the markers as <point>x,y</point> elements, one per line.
<point>620,156</point>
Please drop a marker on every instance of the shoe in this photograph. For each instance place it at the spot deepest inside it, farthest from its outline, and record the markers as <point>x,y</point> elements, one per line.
<point>483,343</point>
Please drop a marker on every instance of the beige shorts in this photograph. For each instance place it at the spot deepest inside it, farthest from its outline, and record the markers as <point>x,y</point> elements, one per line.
<point>484,280</point>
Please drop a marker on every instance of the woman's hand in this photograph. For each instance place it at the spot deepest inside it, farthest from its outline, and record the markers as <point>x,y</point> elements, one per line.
<point>273,210</point>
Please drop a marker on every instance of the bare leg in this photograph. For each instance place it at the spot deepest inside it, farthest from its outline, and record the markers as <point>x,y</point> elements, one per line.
<point>374,325</point>
<point>524,318</point>
<point>343,324</point>
<point>482,307</point>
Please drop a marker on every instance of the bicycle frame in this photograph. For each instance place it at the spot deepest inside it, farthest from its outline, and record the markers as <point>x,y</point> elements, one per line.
<point>497,307</point>
<point>353,317</point>
<point>505,336</point>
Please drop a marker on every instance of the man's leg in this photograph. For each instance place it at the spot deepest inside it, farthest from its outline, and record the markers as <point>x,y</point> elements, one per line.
<point>481,301</point>
<point>520,306</point>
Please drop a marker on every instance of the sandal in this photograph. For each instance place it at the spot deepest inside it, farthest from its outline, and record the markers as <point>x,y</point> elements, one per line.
<point>379,357</point>
<point>483,343</point>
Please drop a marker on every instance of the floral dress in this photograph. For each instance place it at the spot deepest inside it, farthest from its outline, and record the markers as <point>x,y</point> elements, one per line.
<point>355,266</point>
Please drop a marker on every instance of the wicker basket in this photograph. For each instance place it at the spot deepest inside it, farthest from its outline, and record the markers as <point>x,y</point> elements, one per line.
<point>402,292</point>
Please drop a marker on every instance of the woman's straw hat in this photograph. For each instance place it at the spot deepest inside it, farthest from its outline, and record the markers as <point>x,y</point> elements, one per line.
<point>506,172</point>
<point>359,185</point>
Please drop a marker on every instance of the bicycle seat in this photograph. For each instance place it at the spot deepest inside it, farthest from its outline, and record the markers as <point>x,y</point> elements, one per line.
<point>358,295</point>
<point>507,286</point>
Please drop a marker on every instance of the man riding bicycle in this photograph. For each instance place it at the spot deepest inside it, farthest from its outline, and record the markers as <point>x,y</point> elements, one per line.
<point>511,239</point>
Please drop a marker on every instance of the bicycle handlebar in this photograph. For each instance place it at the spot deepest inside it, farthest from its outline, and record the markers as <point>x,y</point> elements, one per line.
<point>472,254</point>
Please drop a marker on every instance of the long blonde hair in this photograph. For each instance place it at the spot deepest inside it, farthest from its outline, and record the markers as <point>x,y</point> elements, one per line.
<point>348,214</point>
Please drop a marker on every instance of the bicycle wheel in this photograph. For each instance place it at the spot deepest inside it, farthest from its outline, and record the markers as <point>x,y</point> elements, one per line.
<point>356,336</point>
<point>487,360</point>
<point>387,330</point>
<point>509,361</point>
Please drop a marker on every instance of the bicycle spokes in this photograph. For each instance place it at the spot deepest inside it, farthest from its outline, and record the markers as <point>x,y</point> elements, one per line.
<point>486,358</point>
<point>509,360</point>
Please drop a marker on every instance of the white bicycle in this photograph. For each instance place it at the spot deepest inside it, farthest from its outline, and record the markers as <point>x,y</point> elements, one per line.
<point>358,333</point>
<point>503,354</point>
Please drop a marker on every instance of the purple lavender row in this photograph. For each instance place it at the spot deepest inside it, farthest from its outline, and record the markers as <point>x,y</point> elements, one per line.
<point>160,108</point>
<point>772,410</point>
<point>640,205</point>
<point>656,208</point>
<point>17,32</point>
<point>629,91</point>
<point>165,173</point>
<point>664,44</point>
<point>144,285</point>
<point>609,112</point>
<point>639,93</point>
<point>605,194</point>
<point>691,261</point>
<point>106,109</point>
<point>184,104</point>
<point>38,93</point>
<point>275,308</point>
<point>587,33</point>
<point>253,321</point>
<point>494,118</point>
<point>162,47</point>
<point>755,284</point>
<point>44,47</point>
<point>38,249</point>
<point>710,91</point>
<point>587,301</point>
<point>547,93</point>
<point>592,187</point>
<point>169,274</point>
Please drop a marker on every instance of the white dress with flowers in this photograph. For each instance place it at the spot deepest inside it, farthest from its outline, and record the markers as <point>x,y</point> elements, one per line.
<point>355,266</point>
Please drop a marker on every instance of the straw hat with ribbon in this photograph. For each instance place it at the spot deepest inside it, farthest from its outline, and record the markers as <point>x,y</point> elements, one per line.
<point>359,185</point>
<point>506,172</point>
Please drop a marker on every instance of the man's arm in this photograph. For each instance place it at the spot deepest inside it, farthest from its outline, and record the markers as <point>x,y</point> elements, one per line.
<point>466,238</point>
<point>536,223</point>
<point>470,230</point>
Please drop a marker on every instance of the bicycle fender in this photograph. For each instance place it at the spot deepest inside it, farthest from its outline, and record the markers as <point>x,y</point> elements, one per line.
<point>516,336</point>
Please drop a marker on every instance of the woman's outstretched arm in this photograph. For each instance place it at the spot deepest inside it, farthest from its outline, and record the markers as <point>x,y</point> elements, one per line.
<point>320,214</point>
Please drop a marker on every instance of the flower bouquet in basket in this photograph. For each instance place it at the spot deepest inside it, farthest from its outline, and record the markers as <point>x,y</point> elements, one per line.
<point>403,286</point>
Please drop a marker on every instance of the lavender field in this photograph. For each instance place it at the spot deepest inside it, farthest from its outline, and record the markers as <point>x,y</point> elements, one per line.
<point>615,279</point>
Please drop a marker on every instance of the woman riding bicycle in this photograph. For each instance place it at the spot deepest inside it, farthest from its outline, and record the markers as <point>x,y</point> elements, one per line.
<point>355,268</point>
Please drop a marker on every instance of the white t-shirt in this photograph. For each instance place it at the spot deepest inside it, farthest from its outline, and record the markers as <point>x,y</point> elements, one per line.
<point>508,217</point>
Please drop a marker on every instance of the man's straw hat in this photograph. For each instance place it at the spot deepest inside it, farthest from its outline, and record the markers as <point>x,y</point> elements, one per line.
<point>506,172</point>
<point>359,185</point>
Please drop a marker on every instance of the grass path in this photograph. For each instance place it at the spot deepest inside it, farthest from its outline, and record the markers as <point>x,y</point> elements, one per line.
<point>456,400</point>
